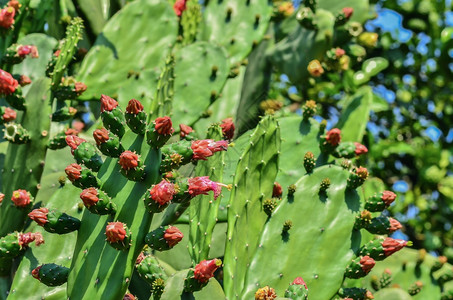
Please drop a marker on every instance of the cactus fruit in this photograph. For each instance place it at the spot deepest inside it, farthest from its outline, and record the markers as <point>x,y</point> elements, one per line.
<point>51,274</point>
<point>108,143</point>
<point>135,116</point>
<point>380,201</point>
<point>84,152</point>
<point>118,235</point>
<point>54,221</point>
<point>309,162</point>
<point>80,177</point>
<point>112,116</point>
<point>355,293</point>
<point>297,290</point>
<point>13,244</point>
<point>150,270</point>
<point>164,238</point>
<point>357,177</point>
<point>159,132</point>
<point>379,249</point>
<point>309,109</point>
<point>360,267</point>
<point>200,275</point>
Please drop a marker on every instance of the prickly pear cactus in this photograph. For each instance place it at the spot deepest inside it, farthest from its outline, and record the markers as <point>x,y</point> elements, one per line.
<point>253,183</point>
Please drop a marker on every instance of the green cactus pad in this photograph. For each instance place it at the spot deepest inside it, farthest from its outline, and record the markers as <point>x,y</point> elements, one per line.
<point>240,25</point>
<point>136,38</point>
<point>201,83</point>
<point>317,251</point>
<point>253,183</point>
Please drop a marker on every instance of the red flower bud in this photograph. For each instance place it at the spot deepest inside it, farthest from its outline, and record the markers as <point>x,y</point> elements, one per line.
<point>369,295</point>
<point>202,185</point>
<point>163,126</point>
<point>71,131</point>
<point>7,17</point>
<point>35,273</point>
<point>163,192</point>
<point>39,215</point>
<point>348,11</point>
<point>101,136</point>
<point>9,115</point>
<point>394,225</point>
<point>2,196</point>
<point>74,141</point>
<point>367,263</point>
<point>140,258</point>
<point>79,88</point>
<point>315,68</point>
<point>173,236</point>
<point>8,84</point>
<point>202,149</point>
<point>128,160</point>
<point>115,232</point>
<point>24,50</point>
<point>129,296</point>
<point>333,137</point>
<point>27,238</point>
<point>277,191</point>
<point>339,52</point>
<point>107,103</point>
<point>24,80</point>
<point>14,4</point>
<point>228,128</point>
<point>73,171</point>
<point>134,107</point>
<point>299,281</point>
<point>179,7</point>
<point>360,149</point>
<point>184,130</point>
<point>89,196</point>
<point>57,53</point>
<point>21,198</point>
<point>392,245</point>
<point>388,197</point>
<point>77,125</point>
<point>362,172</point>
<point>205,269</point>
